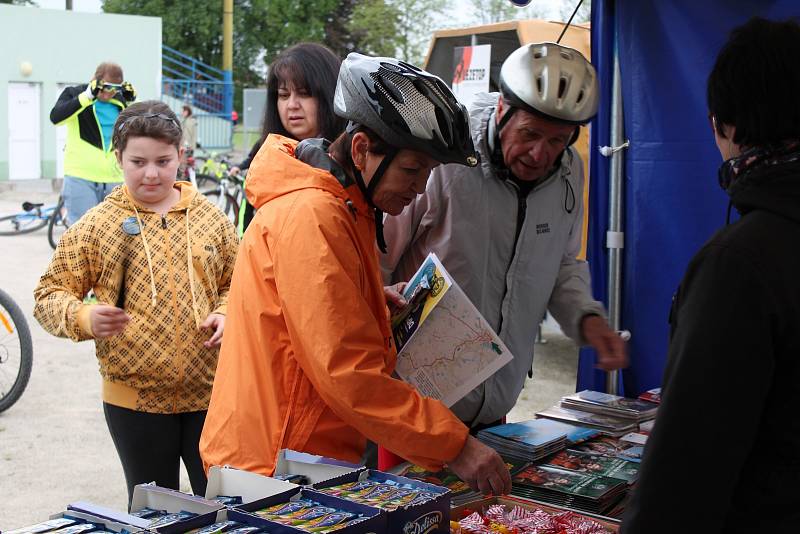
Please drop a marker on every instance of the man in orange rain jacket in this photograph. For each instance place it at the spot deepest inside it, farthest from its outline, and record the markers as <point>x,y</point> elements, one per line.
<point>307,358</point>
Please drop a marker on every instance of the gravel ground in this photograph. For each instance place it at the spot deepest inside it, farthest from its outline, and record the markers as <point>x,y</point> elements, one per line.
<point>54,445</point>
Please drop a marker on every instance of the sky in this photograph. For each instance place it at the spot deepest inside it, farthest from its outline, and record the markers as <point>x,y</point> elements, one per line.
<point>91,6</point>
<point>461,10</point>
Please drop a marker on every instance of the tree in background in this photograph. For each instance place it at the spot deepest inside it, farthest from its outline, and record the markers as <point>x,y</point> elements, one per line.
<point>374,27</point>
<point>262,28</point>
<point>489,11</point>
<point>584,14</point>
<point>416,20</point>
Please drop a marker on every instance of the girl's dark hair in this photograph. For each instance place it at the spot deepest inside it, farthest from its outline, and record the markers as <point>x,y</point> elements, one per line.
<point>188,109</point>
<point>755,83</point>
<point>150,118</point>
<point>312,67</point>
<point>341,152</point>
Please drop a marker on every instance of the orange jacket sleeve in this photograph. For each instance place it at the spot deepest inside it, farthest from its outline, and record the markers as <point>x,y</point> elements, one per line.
<point>338,343</point>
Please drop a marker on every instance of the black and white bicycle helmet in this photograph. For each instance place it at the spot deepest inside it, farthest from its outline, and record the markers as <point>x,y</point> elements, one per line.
<point>405,106</point>
<point>550,80</point>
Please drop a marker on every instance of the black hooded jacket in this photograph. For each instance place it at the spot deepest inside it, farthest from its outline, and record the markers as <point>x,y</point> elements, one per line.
<point>724,455</point>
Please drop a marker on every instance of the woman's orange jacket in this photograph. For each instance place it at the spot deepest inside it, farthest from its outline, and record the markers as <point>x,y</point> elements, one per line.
<point>307,356</point>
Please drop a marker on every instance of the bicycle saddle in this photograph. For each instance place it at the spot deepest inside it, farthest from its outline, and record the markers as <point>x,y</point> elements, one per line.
<point>29,206</point>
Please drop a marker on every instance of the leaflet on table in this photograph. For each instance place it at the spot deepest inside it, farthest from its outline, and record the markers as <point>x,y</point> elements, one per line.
<point>445,347</point>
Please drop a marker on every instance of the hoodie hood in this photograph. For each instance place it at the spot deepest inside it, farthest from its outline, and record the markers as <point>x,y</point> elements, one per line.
<point>190,198</point>
<point>278,170</point>
<point>772,188</point>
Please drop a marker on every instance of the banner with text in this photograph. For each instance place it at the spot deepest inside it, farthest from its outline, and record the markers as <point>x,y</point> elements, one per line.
<point>471,72</point>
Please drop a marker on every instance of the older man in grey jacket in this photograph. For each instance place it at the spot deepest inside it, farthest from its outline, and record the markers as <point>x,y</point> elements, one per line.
<point>509,230</point>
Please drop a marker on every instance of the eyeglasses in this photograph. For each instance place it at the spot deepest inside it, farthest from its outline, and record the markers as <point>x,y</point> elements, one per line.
<point>161,116</point>
<point>111,87</point>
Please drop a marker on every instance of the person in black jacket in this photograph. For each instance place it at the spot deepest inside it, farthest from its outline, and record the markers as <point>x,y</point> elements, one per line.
<point>89,112</point>
<point>724,455</point>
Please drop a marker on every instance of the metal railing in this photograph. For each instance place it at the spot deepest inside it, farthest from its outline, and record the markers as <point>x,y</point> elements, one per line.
<point>198,84</point>
<point>208,90</point>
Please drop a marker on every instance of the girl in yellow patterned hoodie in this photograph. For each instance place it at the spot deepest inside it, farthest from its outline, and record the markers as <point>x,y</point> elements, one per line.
<point>159,258</point>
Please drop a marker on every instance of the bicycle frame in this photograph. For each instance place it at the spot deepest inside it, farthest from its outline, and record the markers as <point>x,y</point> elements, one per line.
<point>37,213</point>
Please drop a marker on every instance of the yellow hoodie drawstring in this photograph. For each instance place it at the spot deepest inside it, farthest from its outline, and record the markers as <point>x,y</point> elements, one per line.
<point>153,291</point>
<point>190,268</point>
<point>189,265</point>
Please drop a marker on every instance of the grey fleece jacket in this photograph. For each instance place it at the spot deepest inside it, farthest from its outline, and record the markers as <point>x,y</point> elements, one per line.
<point>468,217</point>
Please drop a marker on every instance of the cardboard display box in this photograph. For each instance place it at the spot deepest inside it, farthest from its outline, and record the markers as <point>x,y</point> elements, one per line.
<point>317,469</point>
<point>108,524</point>
<point>109,514</point>
<point>158,498</point>
<point>375,523</point>
<point>429,517</point>
<point>251,487</point>
<point>482,505</point>
<point>81,517</point>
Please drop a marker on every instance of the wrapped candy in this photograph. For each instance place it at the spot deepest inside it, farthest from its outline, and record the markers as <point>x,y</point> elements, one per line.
<point>499,520</point>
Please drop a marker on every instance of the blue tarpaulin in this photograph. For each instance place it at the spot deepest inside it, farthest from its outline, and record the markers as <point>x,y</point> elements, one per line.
<point>672,203</point>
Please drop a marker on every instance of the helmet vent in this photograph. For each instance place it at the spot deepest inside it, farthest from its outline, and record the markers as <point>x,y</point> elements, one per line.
<point>415,108</point>
<point>393,91</point>
<point>562,87</point>
<point>553,80</point>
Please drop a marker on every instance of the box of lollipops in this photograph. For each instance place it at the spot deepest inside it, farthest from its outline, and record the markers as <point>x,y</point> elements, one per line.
<point>411,506</point>
<point>508,515</point>
<point>307,511</point>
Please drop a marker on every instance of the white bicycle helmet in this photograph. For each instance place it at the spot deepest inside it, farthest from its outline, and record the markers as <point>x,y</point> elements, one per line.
<point>550,80</point>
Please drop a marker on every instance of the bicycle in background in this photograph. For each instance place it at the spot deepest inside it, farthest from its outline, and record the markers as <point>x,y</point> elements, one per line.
<point>227,195</point>
<point>32,217</point>
<point>212,170</point>
<point>35,216</point>
<point>16,351</point>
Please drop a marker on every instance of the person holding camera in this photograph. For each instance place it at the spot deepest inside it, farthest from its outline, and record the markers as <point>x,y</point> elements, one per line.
<point>89,112</point>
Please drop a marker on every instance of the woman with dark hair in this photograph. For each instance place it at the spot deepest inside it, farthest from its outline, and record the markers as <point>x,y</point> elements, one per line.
<point>300,87</point>
<point>308,360</point>
<point>731,390</point>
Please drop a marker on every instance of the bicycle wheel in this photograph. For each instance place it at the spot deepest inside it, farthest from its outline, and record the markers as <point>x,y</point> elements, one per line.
<point>57,224</point>
<point>21,223</point>
<point>16,352</point>
<point>226,204</point>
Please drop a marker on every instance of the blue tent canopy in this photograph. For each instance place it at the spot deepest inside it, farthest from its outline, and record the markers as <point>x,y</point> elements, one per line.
<point>672,203</point>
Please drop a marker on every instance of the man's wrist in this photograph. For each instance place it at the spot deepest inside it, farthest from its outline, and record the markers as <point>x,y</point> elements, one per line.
<point>587,315</point>
<point>581,325</point>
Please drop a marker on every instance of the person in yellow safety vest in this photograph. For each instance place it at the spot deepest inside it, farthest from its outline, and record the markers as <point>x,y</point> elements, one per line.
<point>89,112</point>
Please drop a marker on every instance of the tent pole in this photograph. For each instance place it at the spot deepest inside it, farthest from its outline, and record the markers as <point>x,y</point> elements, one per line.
<point>615,235</point>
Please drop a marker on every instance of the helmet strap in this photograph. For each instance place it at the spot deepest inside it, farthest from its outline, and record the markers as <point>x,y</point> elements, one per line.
<point>367,191</point>
<point>505,118</point>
